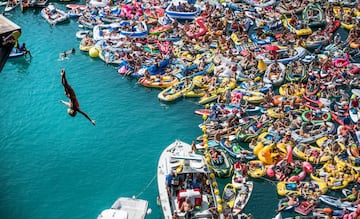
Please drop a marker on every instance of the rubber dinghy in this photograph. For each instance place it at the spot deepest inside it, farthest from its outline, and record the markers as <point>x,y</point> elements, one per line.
<point>243,196</point>
<point>221,165</point>
<point>275,74</point>
<point>314,15</point>
<point>173,12</point>
<point>54,15</point>
<point>313,135</point>
<point>335,202</point>
<point>284,56</point>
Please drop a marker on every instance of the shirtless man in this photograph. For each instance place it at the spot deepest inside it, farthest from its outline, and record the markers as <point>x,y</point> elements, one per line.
<point>187,207</point>
<point>291,202</point>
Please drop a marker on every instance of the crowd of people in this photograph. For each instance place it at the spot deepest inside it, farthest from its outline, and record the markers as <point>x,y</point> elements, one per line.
<point>226,46</point>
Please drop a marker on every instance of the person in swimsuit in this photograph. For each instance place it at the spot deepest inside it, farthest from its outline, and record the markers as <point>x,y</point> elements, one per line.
<point>25,50</point>
<point>291,202</point>
<point>73,104</point>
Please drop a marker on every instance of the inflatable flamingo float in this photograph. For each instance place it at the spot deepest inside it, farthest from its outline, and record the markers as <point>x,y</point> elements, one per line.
<point>200,21</point>
<point>353,215</point>
<point>306,168</point>
<point>341,62</point>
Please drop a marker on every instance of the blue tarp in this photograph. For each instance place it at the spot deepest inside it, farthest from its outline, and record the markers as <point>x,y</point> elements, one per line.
<point>159,67</point>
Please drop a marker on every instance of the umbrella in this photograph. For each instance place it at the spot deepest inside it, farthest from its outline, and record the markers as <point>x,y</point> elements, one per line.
<point>272,49</point>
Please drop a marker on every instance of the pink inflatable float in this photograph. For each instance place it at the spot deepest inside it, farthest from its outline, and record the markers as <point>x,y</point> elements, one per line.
<point>200,21</point>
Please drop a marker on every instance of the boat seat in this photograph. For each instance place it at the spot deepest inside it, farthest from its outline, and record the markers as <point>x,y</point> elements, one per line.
<point>181,198</point>
<point>198,200</point>
<point>193,194</point>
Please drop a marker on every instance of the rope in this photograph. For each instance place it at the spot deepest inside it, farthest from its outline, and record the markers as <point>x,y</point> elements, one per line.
<point>146,187</point>
<point>269,181</point>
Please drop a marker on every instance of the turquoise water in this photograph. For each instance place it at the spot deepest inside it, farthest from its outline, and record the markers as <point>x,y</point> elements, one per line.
<point>54,166</point>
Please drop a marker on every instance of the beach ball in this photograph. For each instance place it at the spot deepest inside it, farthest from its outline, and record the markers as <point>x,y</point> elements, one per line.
<point>93,52</point>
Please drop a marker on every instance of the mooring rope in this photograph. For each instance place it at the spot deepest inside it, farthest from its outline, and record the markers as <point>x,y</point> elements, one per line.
<point>269,181</point>
<point>146,187</point>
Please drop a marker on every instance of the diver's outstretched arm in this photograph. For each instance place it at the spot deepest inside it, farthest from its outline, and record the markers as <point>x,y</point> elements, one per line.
<point>86,115</point>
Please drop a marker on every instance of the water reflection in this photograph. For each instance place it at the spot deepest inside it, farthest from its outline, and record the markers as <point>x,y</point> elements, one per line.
<point>19,65</point>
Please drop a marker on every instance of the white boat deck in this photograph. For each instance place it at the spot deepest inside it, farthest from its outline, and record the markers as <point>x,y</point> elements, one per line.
<point>126,208</point>
<point>136,208</point>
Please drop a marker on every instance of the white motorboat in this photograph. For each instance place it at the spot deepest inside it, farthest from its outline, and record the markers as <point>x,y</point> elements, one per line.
<point>126,208</point>
<point>188,171</point>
